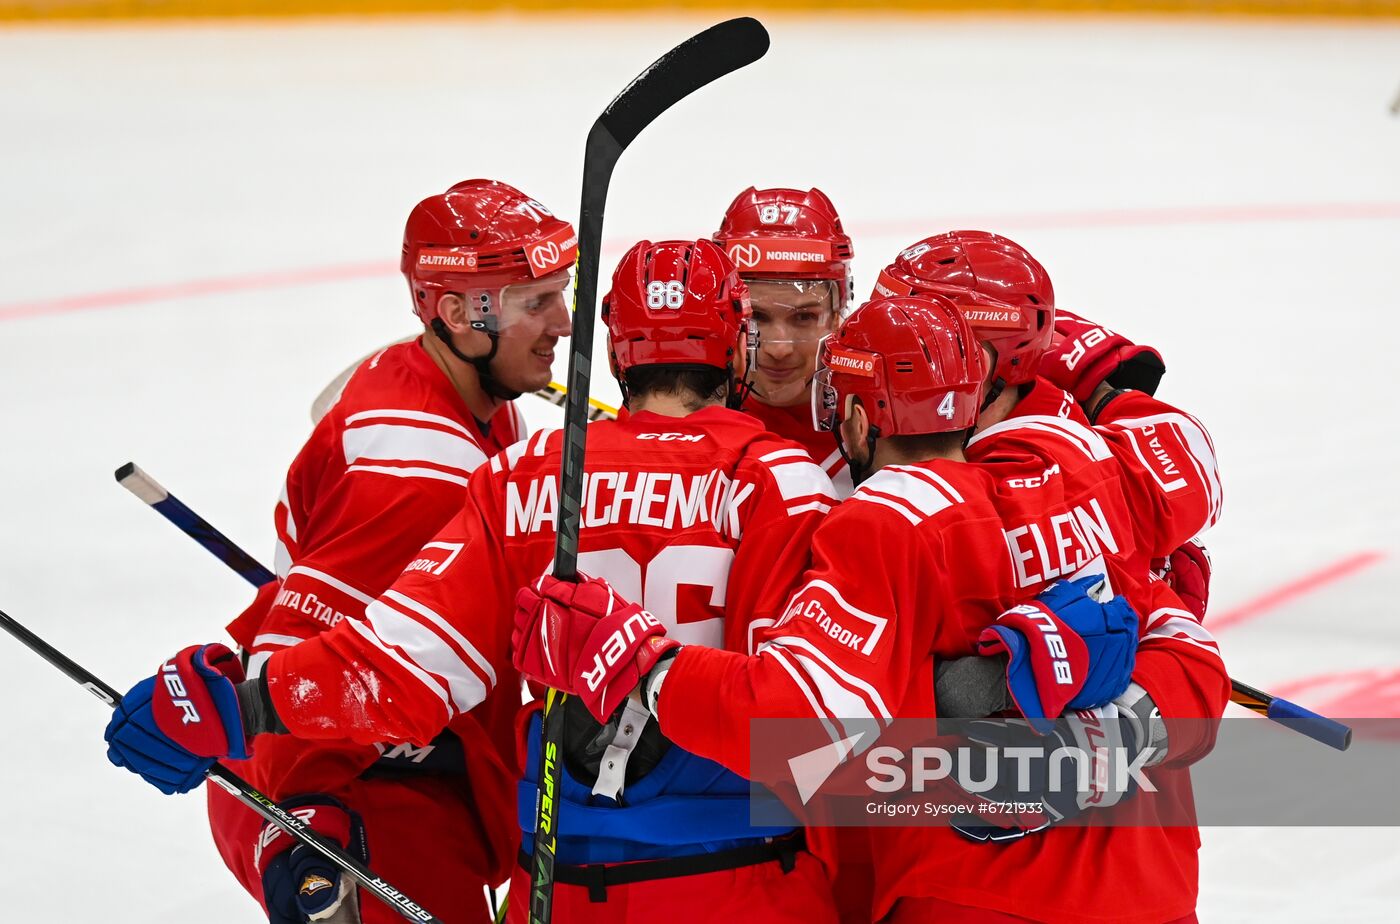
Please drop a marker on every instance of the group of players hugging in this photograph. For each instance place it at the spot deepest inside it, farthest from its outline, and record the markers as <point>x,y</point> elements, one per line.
<point>950,500</point>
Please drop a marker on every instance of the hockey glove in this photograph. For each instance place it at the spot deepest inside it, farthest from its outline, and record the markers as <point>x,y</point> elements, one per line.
<point>1100,755</point>
<point>299,884</point>
<point>171,728</point>
<point>584,639</point>
<point>1064,650</point>
<point>1187,571</point>
<point>1084,356</point>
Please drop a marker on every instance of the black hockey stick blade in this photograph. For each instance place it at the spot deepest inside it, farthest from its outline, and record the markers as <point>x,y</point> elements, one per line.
<point>699,60</point>
<point>297,829</point>
<point>150,491</point>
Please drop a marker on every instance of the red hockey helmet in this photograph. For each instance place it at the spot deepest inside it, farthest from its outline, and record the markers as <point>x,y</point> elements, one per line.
<point>788,234</point>
<point>1004,291</point>
<point>676,302</point>
<point>475,240</point>
<point>913,362</point>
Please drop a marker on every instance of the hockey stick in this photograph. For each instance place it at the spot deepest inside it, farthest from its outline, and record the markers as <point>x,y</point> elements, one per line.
<point>131,477</point>
<point>1304,721</point>
<point>699,60</point>
<point>553,392</point>
<point>558,395</point>
<point>240,790</point>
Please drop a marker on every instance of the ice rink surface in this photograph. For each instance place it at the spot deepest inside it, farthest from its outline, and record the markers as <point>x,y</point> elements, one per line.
<point>201,223</point>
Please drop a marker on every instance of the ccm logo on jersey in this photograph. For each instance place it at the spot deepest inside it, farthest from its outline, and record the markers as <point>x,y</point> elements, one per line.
<point>1038,481</point>
<point>170,675</point>
<point>1054,642</point>
<point>617,645</point>
<point>672,437</point>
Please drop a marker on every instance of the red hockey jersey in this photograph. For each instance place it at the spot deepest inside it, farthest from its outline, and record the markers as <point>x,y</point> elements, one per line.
<point>696,517</point>
<point>383,470</point>
<point>795,423</point>
<point>910,569</point>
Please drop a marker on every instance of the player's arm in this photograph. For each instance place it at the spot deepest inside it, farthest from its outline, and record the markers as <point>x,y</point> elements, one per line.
<point>402,673</point>
<point>427,650</point>
<point>1180,668</point>
<point>1175,481</point>
<point>833,654</point>
<point>792,498</point>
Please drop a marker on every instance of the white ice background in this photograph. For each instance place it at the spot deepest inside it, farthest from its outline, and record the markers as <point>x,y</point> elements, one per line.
<point>1228,191</point>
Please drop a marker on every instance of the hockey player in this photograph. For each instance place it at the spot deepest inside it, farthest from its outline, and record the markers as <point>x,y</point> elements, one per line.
<point>915,566</point>
<point>796,258</point>
<point>387,466</point>
<point>689,505</point>
<point>917,563</point>
<point>1169,490</point>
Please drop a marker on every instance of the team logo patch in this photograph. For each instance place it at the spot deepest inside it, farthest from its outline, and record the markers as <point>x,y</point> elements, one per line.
<point>313,884</point>
<point>447,259</point>
<point>850,362</point>
<point>745,256</point>
<point>779,254</point>
<point>553,252</point>
<point>886,286</point>
<point>822,605</point>
<point>435,557</point>
<point>993,318</point>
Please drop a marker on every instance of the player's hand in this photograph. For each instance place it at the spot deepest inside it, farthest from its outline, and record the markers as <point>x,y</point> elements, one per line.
<point>171,728</point>
<point>584,639</point>
<point>1187,571</point>
<point>1084,355</point>
<point>299,884</point>
<point>1065,649</point>
<point>1017,762</point>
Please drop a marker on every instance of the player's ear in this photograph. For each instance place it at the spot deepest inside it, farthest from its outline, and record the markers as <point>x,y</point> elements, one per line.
<point>453,311</point>
<point>855,425</point>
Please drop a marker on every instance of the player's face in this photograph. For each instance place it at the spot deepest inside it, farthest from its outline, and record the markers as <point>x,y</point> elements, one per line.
<point>533,317</point>
<point>791,317</point>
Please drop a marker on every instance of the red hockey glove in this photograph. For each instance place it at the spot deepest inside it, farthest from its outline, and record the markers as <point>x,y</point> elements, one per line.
<point>1187,571</point>
<point>584,639</point>
<point>1084,355</point>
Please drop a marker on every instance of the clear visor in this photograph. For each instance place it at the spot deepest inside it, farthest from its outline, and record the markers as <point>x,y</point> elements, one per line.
<point>521,309</point>
<point>825,407</point>
<point>793,310</point>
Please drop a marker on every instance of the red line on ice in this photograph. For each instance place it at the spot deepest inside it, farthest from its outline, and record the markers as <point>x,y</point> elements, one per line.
<point>284,279</point>
<point>1082,219</point>
<point>1284,593</point>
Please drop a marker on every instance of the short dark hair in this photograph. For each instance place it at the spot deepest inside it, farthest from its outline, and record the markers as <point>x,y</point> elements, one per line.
<point>699,386</point>
<point>929,445</point>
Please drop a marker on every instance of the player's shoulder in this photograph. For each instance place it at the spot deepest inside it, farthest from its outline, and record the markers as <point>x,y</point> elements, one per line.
<point>935,492</point>
<point>537,452</point>
<point>396,418</point>
<point>1037,433</point>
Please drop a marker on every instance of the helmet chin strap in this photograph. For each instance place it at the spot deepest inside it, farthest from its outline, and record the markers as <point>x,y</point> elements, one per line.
<point>739,390</point>
<point>482,364</point>
<point>994,392</point>
<point>859,470</point>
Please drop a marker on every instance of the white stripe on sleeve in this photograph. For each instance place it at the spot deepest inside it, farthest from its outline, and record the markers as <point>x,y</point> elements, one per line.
<point>330,581</point>
<point>401,443</point>
<point>425,650</point>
